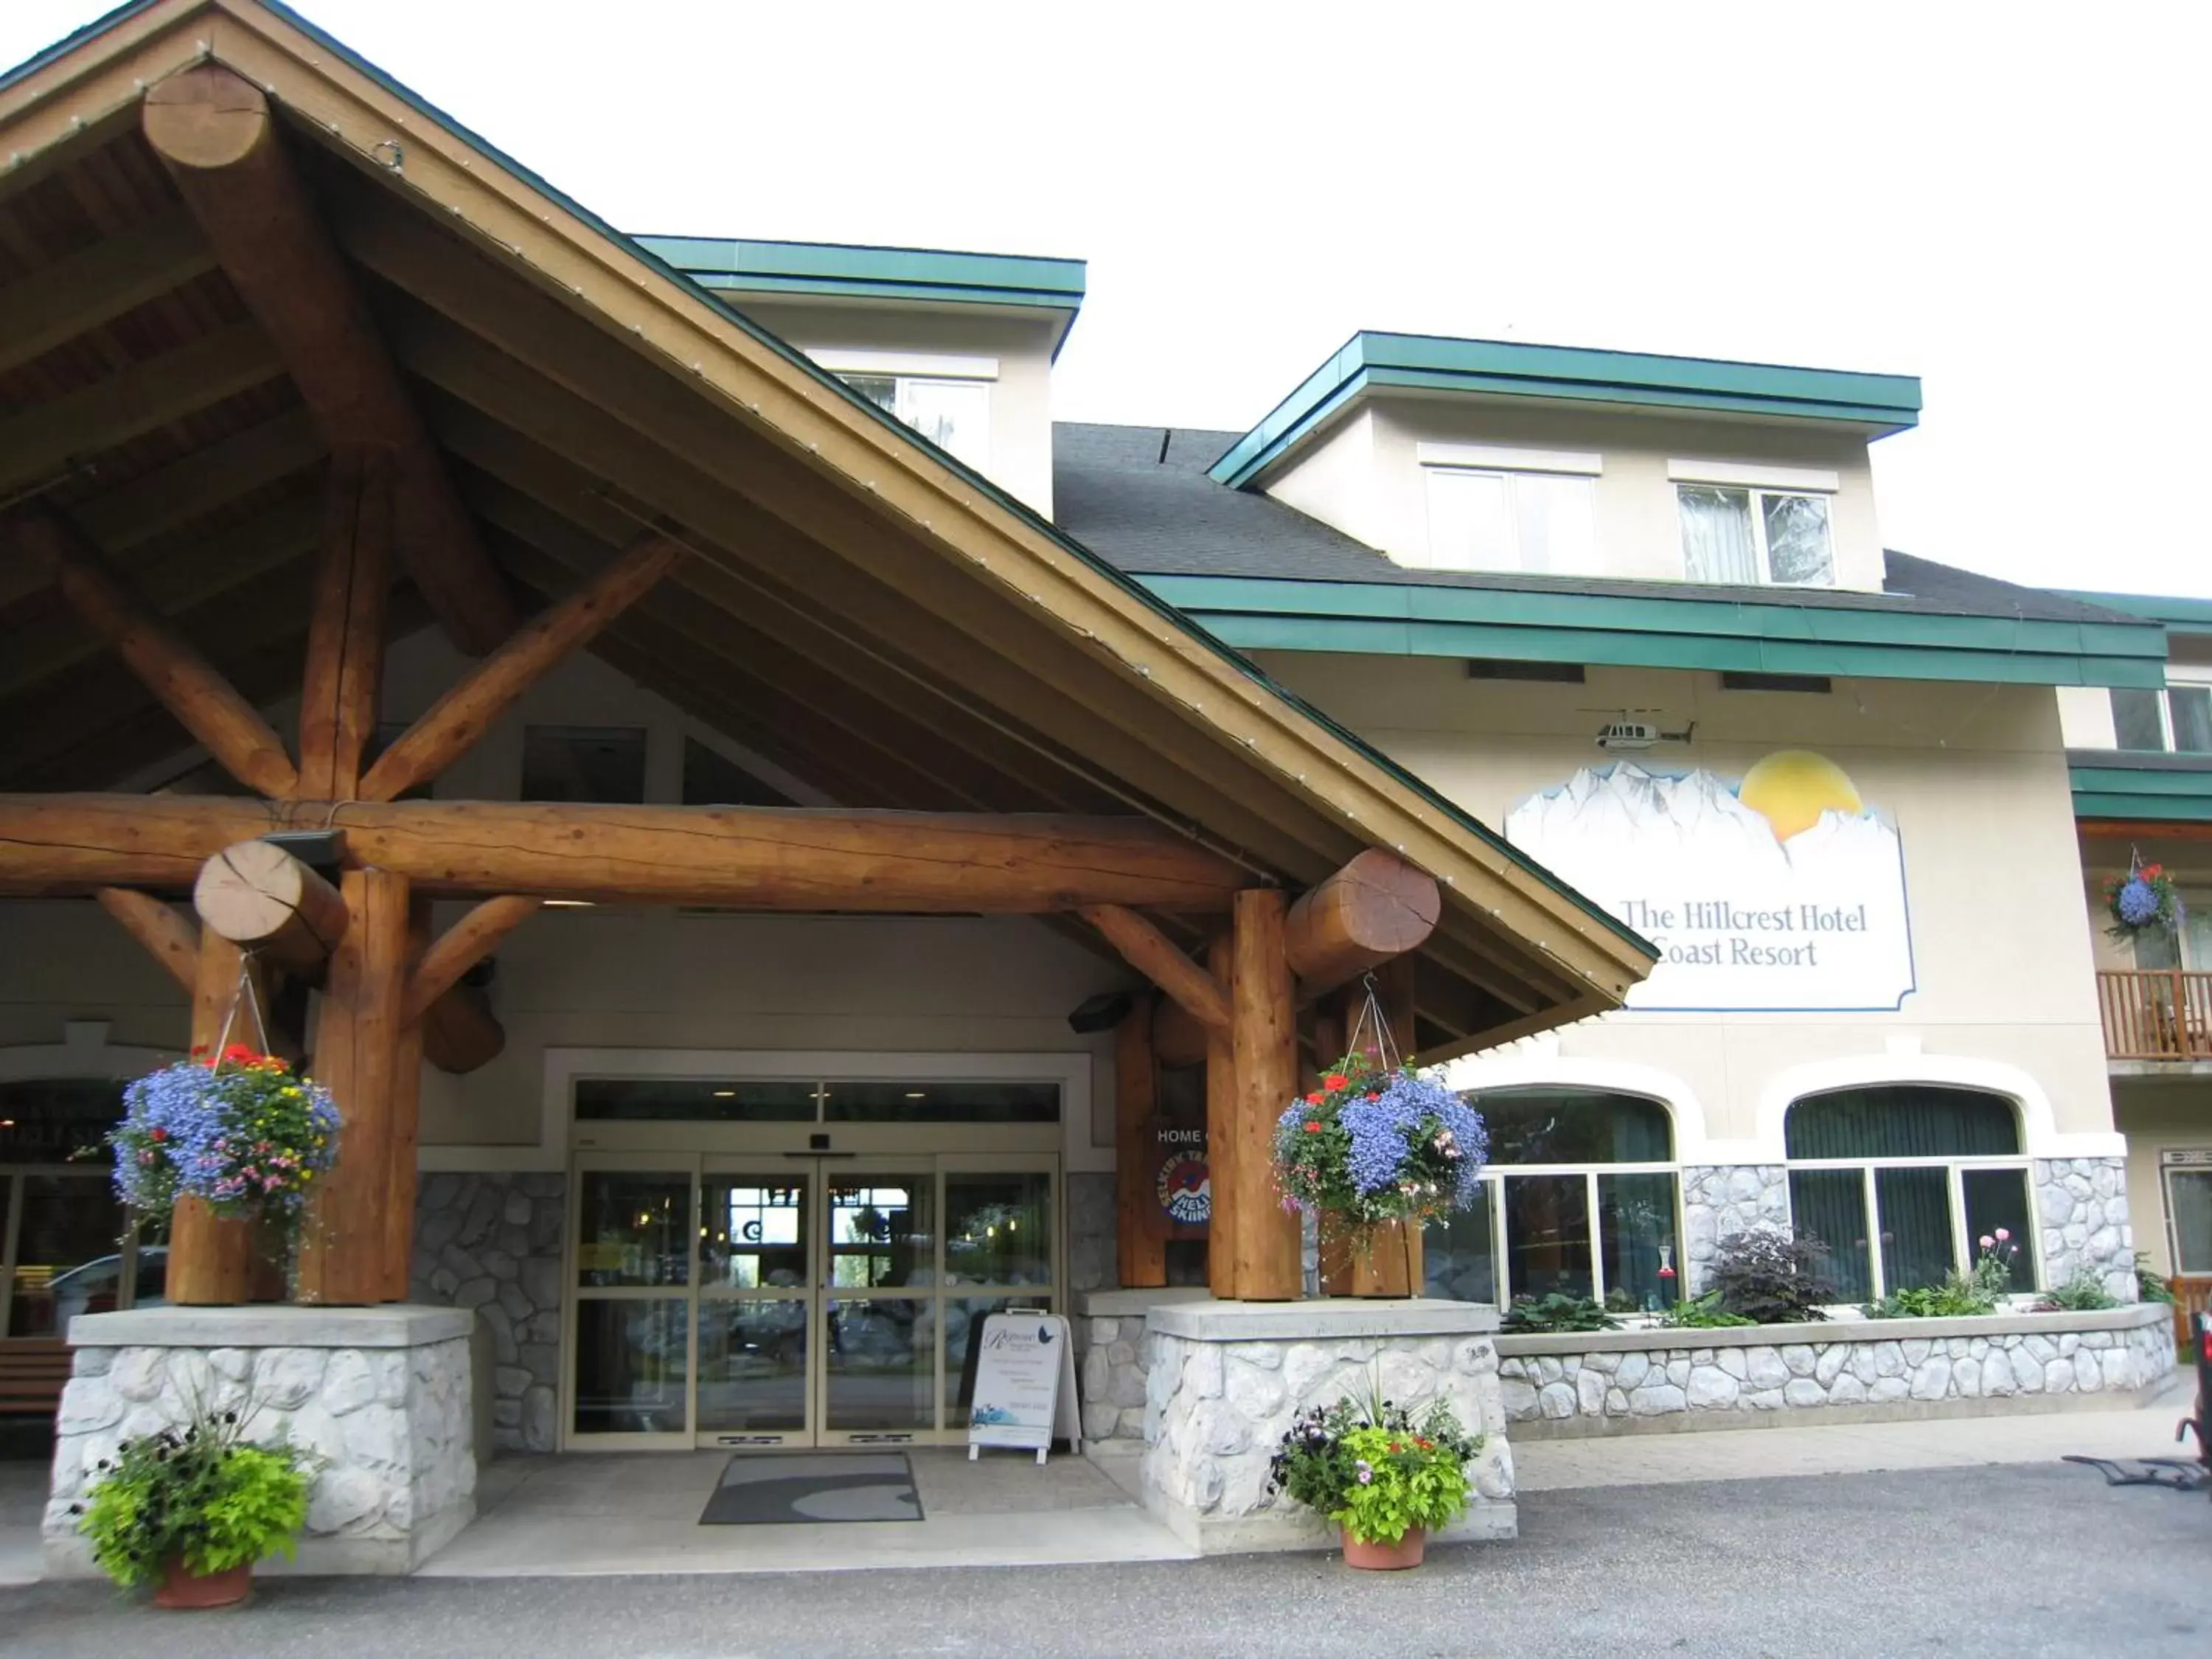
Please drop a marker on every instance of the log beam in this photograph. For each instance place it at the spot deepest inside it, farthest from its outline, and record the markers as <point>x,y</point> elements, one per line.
<point>461,1033</point>
<point>358,1055</point>
<point>1158,958</point>
<point>463,946</point>
<point>1265,1038</point>
<point>1140,1251</point>
<point>169,939</point>
<point>1377,907</point>
<point>1177,1039</point>
<point>756,857</point>
<point>205,703</point>
<point>1223,1103</point>
<point>262,899</point>
<point>343,679</point>
<point>214,131</point>
<point>456,720</point>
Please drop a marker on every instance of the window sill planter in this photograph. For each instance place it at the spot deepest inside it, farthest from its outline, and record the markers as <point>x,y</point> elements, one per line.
<point>1373,1555</point>
<point>182,1590</point>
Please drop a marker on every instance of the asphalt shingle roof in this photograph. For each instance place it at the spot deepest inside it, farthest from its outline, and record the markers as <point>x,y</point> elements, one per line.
<point>1139,496</point>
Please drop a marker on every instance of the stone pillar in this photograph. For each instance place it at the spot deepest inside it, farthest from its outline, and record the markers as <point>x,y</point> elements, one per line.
<point>2081,1205</point>
<point>380,1394</point>
<point>1721,1199</point>
<point>1224,1379</point>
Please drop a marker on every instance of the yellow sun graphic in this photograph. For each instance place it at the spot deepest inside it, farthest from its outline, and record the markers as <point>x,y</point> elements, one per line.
<point>1792,787</point>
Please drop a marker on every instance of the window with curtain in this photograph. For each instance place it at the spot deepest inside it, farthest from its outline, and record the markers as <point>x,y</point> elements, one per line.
<point>1754,536</point>
<point>2176,720</point>
<point>1902,1181</point>
<point>1581,1197</point>
<point>1481,519</point>
<point>954,414</point>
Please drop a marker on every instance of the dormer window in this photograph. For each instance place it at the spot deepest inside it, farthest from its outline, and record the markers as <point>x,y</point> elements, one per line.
<point>1510,509</point>
<point>1754,526</point>
<point>945,398</point>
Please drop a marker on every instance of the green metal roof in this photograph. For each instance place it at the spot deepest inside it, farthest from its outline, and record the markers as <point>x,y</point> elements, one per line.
<point>1883,403</point>
<point>2112,783</point>
<point>2177,614</point>
<point>1664,631</point>
<point>934,275</point>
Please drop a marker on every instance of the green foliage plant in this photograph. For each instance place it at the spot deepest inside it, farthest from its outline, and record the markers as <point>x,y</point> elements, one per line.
<point>1773,1277</point>
<point>1555,1312</point>
<point>2150,1285</point>
<point>1374,1469</point>
<point>2083,1293</point>
<point>1958,1296</point>
<point>200,1494</point>
<point>1703,1313</point>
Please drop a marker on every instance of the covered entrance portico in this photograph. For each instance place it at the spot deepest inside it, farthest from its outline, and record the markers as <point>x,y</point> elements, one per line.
<point>289,404</point>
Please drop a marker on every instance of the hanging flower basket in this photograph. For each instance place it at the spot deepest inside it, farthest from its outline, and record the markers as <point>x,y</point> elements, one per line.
<point>2143,900</point>
<point>1374,1145</point>
<point>241,1130</point>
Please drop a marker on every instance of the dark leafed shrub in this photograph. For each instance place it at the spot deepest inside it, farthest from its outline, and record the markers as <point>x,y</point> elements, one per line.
<point>1771,1278</point>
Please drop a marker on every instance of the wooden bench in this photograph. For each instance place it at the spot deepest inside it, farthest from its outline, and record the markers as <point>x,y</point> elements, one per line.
<point>33,1372</point>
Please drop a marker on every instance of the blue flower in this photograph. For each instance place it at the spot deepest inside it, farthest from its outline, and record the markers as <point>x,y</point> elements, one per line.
<point>2137,902</point>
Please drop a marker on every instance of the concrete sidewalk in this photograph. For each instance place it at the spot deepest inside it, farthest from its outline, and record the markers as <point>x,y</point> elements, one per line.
<point>1645,1460</point>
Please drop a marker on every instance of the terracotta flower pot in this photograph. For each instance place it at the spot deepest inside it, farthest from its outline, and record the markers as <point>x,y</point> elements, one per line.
<point>1376,1556</point>
<point>184,1589</point>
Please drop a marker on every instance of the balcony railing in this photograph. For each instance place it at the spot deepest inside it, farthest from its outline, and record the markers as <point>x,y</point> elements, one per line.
<point>2156,1014</point>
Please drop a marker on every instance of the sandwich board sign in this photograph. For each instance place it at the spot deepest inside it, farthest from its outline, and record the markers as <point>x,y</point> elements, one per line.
<point>1024,1385</point>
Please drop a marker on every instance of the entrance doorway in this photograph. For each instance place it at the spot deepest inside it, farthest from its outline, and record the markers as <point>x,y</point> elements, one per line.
<point>796,1298</point>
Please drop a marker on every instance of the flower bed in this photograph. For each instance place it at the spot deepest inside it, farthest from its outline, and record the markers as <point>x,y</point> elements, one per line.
<point>1658,1378</point>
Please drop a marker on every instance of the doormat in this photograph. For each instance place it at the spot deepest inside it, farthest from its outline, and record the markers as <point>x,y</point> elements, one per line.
<point>758,1490</point>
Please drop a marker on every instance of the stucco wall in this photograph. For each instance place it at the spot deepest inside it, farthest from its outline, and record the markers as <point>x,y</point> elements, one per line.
<point>1363,476</point>
<point>2158,1114</point>
<point>1974,779</point>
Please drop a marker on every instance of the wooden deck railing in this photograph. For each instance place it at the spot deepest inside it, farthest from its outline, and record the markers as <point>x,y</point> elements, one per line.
<point>2156,1014</point>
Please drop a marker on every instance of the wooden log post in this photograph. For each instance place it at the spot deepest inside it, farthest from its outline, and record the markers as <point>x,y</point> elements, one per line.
<point>341,687</point>
<point>1263,1036</point>
<point>402,1177</point>
<point>1140,1251</point>
<point>1392,1263</point>
<point>1375,908</point>
<point>1177,1038</point>
<point>358,1056</point>
<point>1222,1104</point>
<point>212,1260</point>
<point>214,131</point>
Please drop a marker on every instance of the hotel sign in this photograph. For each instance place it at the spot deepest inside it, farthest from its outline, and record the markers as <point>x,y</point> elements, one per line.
<point>1780,891</point>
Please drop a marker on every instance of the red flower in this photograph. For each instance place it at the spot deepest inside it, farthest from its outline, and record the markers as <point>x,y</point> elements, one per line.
<point>159,1134</point>
<point>2152,871</point>
<point>1315,1098</point>
<point>1312,1128</point>
<point>1335,1080</point>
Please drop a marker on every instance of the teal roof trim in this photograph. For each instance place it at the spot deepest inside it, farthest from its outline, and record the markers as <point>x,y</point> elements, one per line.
<point>1368,361</point>
<point>1659,631</point>
<point>2175,613</point>
<point>2107,787</point>
<point>851,270</point>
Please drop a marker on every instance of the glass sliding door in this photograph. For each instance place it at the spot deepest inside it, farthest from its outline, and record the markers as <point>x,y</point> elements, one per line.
<point>756,1239</point>
<point>636,1269</point>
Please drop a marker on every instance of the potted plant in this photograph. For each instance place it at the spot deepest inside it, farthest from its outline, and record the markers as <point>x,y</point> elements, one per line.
<point>1373,1146</point>
<point>239,1129</point>
<point>191,1509</point>
<point>1387,1480</point>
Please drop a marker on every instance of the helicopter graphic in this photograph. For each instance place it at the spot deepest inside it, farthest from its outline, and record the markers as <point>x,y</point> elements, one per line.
<point>1624,731</point>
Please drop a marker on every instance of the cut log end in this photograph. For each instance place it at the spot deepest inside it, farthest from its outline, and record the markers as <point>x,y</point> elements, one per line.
<point>259,896</point>
<point>205,118</point>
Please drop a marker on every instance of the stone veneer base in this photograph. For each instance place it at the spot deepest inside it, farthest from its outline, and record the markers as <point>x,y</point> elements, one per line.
<point>1566,1385</point>
<point>1224,1380</point>
<point>380,1394</point>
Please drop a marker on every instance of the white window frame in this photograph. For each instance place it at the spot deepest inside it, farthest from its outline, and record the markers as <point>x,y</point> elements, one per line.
<point>906,369</point>
<point>1482,461</point>
<point>1758,493</point>
<point>1964,1248</point>
<point>1493,1176</point>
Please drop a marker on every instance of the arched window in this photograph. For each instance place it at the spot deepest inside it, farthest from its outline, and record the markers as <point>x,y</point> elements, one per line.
<point>1581,1198</point>
<point>1923,1171</point>
<point>66,1246</point>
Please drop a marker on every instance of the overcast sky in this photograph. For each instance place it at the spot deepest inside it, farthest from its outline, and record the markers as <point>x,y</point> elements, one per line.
<point>2008,202</point>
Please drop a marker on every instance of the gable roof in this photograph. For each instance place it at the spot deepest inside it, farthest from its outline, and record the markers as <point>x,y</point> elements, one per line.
<point>860,609</point>
<point>1266,576</point>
